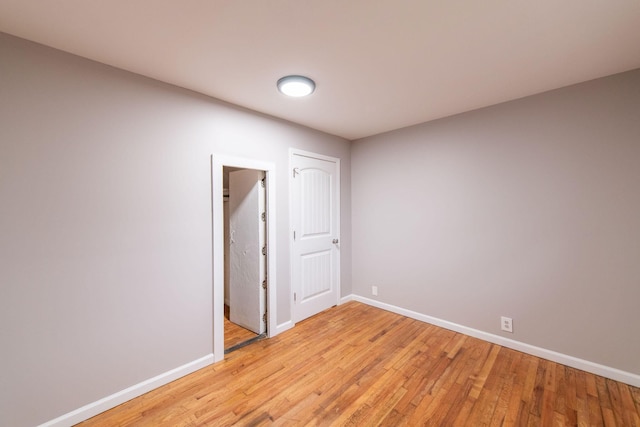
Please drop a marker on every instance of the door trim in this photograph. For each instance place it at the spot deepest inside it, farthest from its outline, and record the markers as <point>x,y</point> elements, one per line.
<point>336,160</point>
<point>218,162</point>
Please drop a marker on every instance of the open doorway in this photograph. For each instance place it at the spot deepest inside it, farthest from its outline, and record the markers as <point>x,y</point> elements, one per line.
<point>245,257</point>
<point>218,165</point>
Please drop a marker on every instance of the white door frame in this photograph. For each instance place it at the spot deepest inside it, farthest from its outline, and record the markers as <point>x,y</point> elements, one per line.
<point>218,162</point>
<point>292,152</point>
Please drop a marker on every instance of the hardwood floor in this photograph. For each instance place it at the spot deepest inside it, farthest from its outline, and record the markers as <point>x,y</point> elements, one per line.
<point>361,366</point>
<point>234,334</point>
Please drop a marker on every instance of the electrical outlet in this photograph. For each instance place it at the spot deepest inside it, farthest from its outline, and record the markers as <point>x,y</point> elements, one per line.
<point>506,324</point>
<point>374,290</point>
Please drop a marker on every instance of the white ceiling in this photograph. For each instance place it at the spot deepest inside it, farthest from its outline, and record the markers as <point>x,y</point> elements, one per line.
<point>378,64</point>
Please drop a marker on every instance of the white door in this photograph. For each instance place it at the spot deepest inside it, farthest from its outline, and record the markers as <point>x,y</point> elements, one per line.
<point>247,238</point>
<point>316,233</point>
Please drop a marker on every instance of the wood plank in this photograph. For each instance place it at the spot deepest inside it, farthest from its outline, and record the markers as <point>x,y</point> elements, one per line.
<point>516,404</point>
<point>581,395</point>
<point>629,407</point>
<point>571,400</point>
<point>359,365</point>
<point>499,415</point>
<point>549,394</point>
<point>616,401</point>
<point>535,404</point>
<point>635,393</point>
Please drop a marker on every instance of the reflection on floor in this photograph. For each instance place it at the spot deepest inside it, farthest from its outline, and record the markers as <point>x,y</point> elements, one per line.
<point>234,334</point>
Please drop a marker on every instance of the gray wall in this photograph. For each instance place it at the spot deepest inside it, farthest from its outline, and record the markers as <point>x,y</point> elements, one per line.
<point>528,209</point>
<point>105,225</point>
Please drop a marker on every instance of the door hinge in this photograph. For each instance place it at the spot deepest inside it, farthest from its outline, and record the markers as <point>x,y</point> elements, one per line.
<point>264,250</point>
<point>263,182</point>
<point>294,234</point>
<point>294,297</point>
<point>263,216</point>
<point>264,284</point>
<point>264,317</point>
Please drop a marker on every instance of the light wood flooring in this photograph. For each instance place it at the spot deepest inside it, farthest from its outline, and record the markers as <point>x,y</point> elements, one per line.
<point>234,334</point>
<point>358,365</point>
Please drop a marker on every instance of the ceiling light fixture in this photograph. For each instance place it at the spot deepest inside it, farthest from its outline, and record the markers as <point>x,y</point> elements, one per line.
<point>296,86</point>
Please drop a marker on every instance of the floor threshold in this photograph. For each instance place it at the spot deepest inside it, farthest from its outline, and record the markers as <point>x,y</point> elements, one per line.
<point>245,343</point>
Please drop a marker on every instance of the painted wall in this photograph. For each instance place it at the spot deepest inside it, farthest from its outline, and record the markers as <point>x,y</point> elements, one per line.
<point>105,225</point>
<point>528,209</point>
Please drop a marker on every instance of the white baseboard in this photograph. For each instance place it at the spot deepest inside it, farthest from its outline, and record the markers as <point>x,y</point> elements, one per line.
<point>345,299</point>
<point>282,327</point>
<point>136,390</point>
<point>574,362</point>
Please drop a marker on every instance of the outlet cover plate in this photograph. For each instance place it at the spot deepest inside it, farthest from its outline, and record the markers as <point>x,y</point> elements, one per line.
<point>506,324</point>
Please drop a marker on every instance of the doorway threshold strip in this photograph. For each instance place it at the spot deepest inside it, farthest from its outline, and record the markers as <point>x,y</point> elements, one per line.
<point>245,343</point>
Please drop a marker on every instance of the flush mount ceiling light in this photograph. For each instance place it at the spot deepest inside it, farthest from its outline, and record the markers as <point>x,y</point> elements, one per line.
<point>296,86</point>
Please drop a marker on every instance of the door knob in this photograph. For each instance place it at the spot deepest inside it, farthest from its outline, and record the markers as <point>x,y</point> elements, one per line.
<point>335,241</point>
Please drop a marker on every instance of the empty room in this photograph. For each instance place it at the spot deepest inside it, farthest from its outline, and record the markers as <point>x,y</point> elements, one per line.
<point>360,213</point>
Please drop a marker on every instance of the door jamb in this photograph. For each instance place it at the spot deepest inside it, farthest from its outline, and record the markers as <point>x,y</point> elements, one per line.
<point>218,162</point>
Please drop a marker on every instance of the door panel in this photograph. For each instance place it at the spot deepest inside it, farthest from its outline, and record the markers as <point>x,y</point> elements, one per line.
<point>247,238</point>
<point>316,274</point>
<point>315,216</point>
<point>316,202</point>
